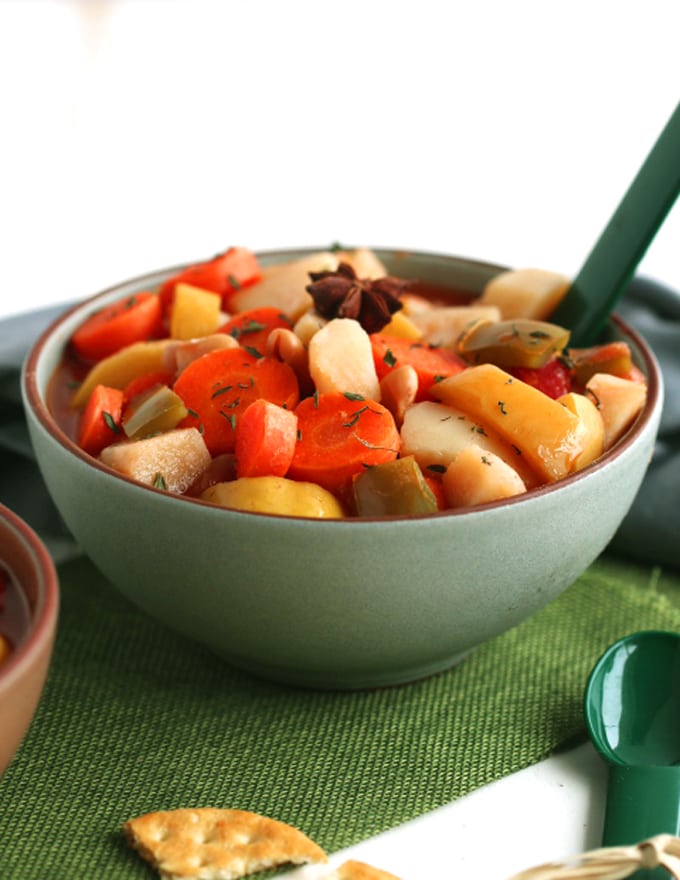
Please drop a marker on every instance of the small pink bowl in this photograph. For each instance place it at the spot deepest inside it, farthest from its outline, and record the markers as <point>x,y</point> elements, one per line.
<point>23,673</point>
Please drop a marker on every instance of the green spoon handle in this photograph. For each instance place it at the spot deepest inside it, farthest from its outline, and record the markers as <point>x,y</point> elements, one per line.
<point>641,802</point>
<point>615,256</point>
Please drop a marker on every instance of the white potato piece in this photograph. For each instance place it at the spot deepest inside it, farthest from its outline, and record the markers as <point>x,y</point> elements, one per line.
<point>526,293</point>
<point>341,359</point>
<point>309,323</point>
<point>477,476</point>
<point>619,402</point>
<point>283,286</point>
<point>180,353</point>
<point>593,427</point>
<point>434,434</point>
<point>170,461</point>
<point>442,325</point>
<point>364,261</point>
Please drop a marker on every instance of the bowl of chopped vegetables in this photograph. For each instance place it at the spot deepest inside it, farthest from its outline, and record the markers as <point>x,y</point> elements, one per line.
<point>339,468</point>
<point>29,600</point>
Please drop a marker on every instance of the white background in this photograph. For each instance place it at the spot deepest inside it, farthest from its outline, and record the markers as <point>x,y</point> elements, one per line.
<point>140,133</point>
<point>137,134</point>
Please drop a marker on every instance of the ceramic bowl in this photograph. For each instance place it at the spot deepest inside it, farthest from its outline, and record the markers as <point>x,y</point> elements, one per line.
<point>341,603</point>
<point>28,614</point>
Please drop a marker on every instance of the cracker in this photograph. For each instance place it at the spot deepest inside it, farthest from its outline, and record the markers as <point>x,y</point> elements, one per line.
<point>212,844</point>
<point>353,870</point>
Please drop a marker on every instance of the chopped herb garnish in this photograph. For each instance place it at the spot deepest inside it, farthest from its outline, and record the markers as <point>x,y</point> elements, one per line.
<point>111,423</point>
<point>439,379</point>
<point>316,400</point>
<point>485,460</point>
<point>351,395</point>
<point>159,482</point>
<point>501,406</point>
<point>253,351</point>
<point>436,468</point>
<point>193,413</point>
<point>222,390</point>
<point>516,448</point>
<point>389,358</point>
<point>355,417</point>
<point>231,418</point>
<point>235,283</point>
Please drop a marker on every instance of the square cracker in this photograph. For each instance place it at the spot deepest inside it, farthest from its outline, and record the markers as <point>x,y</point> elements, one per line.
<point>213,844</point>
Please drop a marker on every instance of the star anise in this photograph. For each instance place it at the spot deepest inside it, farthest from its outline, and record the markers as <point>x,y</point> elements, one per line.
<point>369,301</point>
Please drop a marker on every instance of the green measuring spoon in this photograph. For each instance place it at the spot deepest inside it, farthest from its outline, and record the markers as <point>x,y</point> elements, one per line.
<point>610,265</point>
<point>632,710</point>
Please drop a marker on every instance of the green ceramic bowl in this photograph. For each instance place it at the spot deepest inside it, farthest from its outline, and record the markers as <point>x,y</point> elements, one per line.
<point>337,603</point>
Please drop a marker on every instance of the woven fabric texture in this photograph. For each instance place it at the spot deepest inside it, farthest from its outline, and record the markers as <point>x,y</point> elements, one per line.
<point>136,718</point>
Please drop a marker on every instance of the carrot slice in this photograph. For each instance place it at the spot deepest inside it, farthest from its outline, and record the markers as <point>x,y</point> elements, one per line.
<point>338,436</point>
<point>100,424</point>
<point>251,328</point>
<point>266,435</point>
<point>225,274</point>
<point>218,387</point>
<point>132,319</point>
<point>430,363</point>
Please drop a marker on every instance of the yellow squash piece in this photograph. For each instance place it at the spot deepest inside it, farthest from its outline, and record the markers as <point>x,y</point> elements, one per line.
<point>275,495</point>
<point>119,369</point>
<point>195,312</point>
<point>593,427</point>
<point>547,435</point>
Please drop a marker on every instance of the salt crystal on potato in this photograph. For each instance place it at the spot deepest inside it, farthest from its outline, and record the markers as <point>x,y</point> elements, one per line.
<point>170,461</point>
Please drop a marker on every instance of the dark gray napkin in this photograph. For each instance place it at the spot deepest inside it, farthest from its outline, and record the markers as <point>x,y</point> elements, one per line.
<point>650,533</point>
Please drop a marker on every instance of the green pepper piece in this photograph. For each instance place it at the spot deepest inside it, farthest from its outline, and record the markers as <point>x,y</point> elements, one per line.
<point>521,342</point>
<point>395,488</point>
<point>158,410</point>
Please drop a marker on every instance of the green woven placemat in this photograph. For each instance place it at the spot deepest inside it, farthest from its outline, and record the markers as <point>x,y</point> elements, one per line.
<point>135,718</point>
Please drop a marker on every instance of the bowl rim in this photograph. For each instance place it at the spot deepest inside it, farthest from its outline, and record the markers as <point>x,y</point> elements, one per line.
<point>37,405</point>
<point>44,618</point>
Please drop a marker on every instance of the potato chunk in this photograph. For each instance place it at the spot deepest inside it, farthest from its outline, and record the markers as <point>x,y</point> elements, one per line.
<point>526,293</point>
<point>546,433</point>
<point>593,427</point>
<point>443,325</point>
<point>119,369</point>
<point>341,359</point>
<point>275,495</point>
<point>195,312</point>
<point>477,476</point>
<point>169,461</point>
<point>618,401</point>
<point>435,434</point>
<point>284,286</point>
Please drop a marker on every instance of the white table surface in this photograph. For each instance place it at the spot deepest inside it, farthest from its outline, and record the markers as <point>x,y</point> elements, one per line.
<point>137,135</point>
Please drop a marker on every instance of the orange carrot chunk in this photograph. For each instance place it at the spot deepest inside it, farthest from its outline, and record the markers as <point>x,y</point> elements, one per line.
<point>266,435</point>
<point>218,387</point>
<point>431,364</point>
<point>339,435</point>
<point>251,328</point>
<point>225,274</point>
<point>135,318</point>
<point>100,424</point>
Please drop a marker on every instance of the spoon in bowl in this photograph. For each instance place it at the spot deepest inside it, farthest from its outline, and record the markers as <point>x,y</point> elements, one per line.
<point>610,265</point>
<point>632,711</point>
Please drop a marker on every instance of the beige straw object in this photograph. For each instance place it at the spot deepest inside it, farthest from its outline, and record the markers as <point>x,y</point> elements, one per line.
<point>613,863</point>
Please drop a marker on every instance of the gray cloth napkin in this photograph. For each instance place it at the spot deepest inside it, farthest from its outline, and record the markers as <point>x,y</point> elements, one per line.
<point>650,533</point>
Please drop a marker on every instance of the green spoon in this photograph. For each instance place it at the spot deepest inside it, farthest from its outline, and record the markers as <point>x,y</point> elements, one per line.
<point>632,710</point>
<point>609,267</point>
